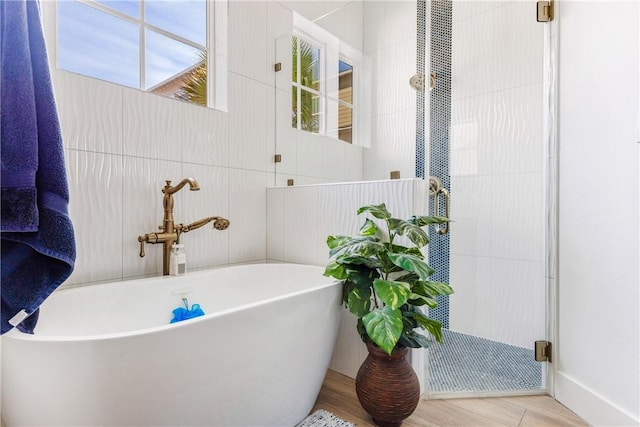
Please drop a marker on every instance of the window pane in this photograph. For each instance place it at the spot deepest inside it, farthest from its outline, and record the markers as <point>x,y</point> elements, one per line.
<point>170,64</point>
<point>294,62</point>
<point>97,44</point>
<point>128,7</point>
<point>294,107</point>
<point>310,112</point>
<point>309,65</point>
<point>345,123</point>
<point>346,82</point>
<point>186,18</point>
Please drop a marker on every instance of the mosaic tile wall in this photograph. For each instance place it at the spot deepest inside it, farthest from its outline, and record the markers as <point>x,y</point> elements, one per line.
<point>440,121</point>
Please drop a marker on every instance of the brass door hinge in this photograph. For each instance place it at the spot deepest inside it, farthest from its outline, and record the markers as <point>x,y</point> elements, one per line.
<point>543,351</point>
<point>277,67</point>
<point>544,11</point>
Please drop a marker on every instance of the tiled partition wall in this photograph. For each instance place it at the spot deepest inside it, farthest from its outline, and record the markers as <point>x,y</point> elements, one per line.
<point>299,219</point>
<point>497,177</point>
<point>122,144</point>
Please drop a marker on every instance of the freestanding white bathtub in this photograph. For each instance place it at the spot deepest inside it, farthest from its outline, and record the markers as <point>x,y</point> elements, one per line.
<point>106,354</point>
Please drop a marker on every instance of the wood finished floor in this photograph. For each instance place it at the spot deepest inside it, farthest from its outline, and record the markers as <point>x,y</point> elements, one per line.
<point>338,396</point>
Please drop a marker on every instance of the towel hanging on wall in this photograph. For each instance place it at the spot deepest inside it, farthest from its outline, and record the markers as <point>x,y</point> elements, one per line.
<point>38,245</point>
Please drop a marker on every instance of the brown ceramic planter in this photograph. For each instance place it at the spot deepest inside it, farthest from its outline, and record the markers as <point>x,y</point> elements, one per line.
<point>387,386</point>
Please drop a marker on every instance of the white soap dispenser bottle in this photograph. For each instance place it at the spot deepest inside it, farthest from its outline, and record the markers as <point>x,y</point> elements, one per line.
<point>177,260</point>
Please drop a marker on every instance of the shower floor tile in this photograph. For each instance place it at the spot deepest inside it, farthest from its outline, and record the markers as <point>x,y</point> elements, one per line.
<point>464,363</point>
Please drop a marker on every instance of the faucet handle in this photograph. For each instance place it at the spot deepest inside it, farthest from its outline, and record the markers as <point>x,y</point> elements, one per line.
<point>141,239</point>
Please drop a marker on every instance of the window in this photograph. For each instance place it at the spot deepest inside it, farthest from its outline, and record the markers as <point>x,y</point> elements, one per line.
<point>306,99</point>
<point>155,46</point>
<point>325,82</point>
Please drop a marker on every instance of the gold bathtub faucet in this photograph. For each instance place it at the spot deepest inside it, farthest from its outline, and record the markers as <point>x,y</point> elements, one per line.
<point>169,230</point>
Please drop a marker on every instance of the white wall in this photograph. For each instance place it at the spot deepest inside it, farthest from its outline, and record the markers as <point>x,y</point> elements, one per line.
<point>390,40</point>
<point>121,144</point>
<point>597,364</point>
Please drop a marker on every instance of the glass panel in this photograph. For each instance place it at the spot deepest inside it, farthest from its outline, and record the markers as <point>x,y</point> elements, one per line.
<point>310,112</point>
<point>309,65</point>
<point>186,18</point>
<point>170,65</point>
<point>345,123</point>
<point>487,147</point>
<point>97,44</point>
<point>346,82</point>
<point>128,7</point>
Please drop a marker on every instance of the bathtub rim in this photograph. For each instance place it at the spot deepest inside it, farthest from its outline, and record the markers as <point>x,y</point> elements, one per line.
<point>15,334</point>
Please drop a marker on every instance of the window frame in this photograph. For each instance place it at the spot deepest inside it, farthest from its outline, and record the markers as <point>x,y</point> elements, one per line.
<point>215,39</point>
<point>334,50</point>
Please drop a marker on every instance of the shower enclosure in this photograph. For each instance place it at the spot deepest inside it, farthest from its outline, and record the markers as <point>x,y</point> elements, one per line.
<point>485,139</point>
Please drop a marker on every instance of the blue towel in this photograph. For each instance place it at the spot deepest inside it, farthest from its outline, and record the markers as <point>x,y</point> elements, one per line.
<point>38,245</point>
<point>181,313</point>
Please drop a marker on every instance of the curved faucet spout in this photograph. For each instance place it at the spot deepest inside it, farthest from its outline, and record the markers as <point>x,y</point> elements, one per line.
<point>193,186</point>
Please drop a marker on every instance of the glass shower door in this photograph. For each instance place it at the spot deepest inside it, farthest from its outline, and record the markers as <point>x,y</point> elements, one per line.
<point>487,145</point>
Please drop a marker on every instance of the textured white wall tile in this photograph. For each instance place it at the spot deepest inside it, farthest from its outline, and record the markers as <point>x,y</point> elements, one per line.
<point>465,9</point>
<point>275,224</point>
<point>472,124</point>
<point>516,301</point>
<point>143,210</point>
<point>472,56</point>
<point>248,216</point>
<point>152,126</point>
<point>352,163</point>
<point>206,247</point>
<point>247,123</point>
<point>471,305</point>
<point>517,217</point>
<point>515,28</point>
<point>279,25</point>
<point>471,211</point>
<point>96,181</point>
<point>392,90</point>
<point>248,39</point>
<point>517,140</point>
<point>90,112</point>
<point>206,136</point>
<point>301,233</point>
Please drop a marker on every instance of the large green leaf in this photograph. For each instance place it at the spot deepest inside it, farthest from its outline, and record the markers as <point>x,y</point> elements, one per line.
<point>432,326</point>
<point>394,294</point>
<point>413,264</point>
<point>417,299</point>
<point>359,301</point>
<point>378,211</point>
<point>384,327</point>
<point>369,228</point>
<point>335,270</point>
<point>364,246</point>
<point>413,232</point>
<point>414,339</point>
<point>421,221</point>
<point>436,288</point>
<point>336,241</point>
<point>362,276</point>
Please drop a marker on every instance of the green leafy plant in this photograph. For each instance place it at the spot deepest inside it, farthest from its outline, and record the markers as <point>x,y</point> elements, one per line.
<point>385,285</point>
